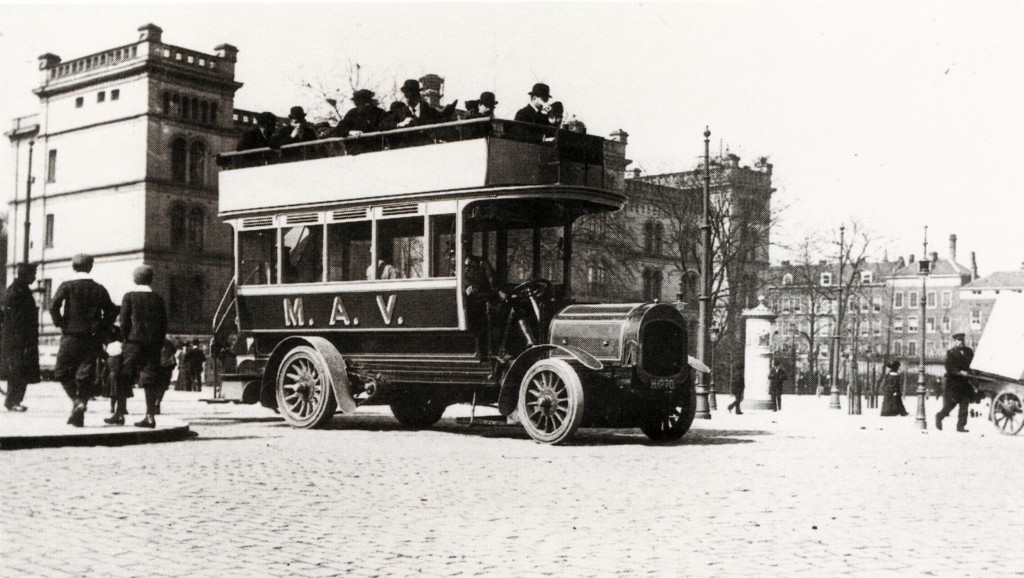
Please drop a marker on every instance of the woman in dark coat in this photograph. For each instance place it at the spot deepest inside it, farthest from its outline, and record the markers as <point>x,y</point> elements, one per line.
<point>19,346</point>
<point>892,396</point>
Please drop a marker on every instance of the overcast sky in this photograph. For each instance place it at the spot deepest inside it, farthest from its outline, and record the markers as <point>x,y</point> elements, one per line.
<point>896,114</point>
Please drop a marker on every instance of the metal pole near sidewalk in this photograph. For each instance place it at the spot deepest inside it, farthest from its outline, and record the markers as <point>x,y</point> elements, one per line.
<point>703,410</point>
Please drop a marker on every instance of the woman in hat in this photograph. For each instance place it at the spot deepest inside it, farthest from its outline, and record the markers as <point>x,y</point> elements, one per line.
<point>892,396</point>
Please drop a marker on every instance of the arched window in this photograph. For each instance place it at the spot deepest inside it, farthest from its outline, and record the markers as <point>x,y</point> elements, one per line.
<point>648,237</point>
<point>656,279</point>
<point>167,102</point>
<point>659,232</point>
<point>787,279</point>
<point>197,163</point>
<point>213,113</point>
<point>178,160</point>
<point>176,299</point>
<point>185,108</point>
<point>175,106</point>
<point>196,219</point>
<point>195,304</point>
<point>177,225</point>
<point>205,117</point>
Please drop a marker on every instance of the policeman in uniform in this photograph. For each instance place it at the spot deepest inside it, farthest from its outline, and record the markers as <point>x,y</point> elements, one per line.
<point>83,311</point>
<point>958,386</point>
<point>19,348</point>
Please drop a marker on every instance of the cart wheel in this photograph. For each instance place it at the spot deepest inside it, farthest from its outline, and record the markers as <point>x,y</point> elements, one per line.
<point>418,407</point>
<point>668,422</point>
<point>1007,413</point>
<point>551,401</point>
<point>304,394</point>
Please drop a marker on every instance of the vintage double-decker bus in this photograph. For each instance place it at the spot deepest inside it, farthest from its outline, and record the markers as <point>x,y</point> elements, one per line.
<point>426,267</point>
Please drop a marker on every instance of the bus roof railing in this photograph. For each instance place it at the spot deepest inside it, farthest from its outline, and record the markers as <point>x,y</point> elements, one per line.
<point>570,146</point>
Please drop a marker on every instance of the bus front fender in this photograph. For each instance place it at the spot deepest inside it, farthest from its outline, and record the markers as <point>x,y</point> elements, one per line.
<point>509,395</point>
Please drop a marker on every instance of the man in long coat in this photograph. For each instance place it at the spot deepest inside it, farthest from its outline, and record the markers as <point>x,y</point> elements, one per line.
<point>958,384</point>
<point>83,311</point>
<point>19,346</point>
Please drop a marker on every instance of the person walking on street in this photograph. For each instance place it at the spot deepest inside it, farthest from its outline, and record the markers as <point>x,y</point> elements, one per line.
<point>193,360</point>
<point>776,377</point>
<point>958,384</point>
<point>892,391</point>
<point>738,385</point>
<point>144,325</point>
<point>19,346</point>
<point>83,311</point>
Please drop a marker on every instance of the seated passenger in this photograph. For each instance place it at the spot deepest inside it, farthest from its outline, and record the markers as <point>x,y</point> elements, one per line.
<point>261,135</point>
<point>298,130</point>
<point>555,112</point>
<point>487,103</point>
<point>384,271</point>
<point>414,110</point>
<point>472,109</point>
<point>533,112</point>
<point>366,116</point>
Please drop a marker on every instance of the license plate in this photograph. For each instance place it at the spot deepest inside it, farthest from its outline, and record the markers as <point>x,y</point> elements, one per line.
<point>663,384</point>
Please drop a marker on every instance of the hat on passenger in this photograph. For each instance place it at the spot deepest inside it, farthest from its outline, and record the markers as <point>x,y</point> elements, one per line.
<point>958,336</point>
<point>22,270</point>
<point>472,105</point>
<point>143,275</point>
<point>488,99</point>
<point>82,262</point>
<point>266,119</point>
<point>411,86</point>
<point>362,95</point>
<point>542,90</point>
<point>296,113</point>
<point>556,108</point>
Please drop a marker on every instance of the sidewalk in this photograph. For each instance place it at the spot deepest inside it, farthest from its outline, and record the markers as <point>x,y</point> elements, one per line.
<point>45,423</point>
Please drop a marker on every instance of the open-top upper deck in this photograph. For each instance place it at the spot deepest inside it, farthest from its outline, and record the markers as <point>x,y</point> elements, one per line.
<point>464,156</point>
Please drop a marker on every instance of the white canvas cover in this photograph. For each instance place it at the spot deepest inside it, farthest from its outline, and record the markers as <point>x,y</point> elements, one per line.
<point>1000,350</point>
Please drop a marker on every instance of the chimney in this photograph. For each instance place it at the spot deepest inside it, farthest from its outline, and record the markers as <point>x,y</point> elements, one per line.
<point>620,136</point>
<point>974,266</point>
<point>48,60</point>
<point>150,33</point>
<point>952,248</point>
<point>935,257</point>
<point>912,261</point>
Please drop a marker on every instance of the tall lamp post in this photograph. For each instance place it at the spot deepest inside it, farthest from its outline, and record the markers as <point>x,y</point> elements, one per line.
<point>712,402</point>
<point>704,323</point>
<point>833,402</point>
<point>923,269</point>
<point>28,203</point>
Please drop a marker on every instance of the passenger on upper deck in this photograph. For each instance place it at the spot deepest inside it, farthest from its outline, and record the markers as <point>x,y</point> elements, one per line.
<point>472,109</point>
<point>533,112</point>
<point>261,135</point>
<point>487,103</point>
<point>365,117</point>
<point>555,112</point>
<point>416,111</point>
<point>298,130</point>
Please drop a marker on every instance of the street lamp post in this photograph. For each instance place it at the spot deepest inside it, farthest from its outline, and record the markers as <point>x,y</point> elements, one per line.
<point>704,323</point>
<point>923,269</point>
<point>28,203</point>
<point>833,402</point>
<point>712,402</point>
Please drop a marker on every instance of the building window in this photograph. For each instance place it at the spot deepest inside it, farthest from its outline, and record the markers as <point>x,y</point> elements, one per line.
<point>931,300</point>
<point>196,219</point>
<point>911,348</point>
<point>976,319</point>
<point>115,94</point>
<point>876,304</point>
<point>49,231</point>
<point>197,163</point>
<point>101,96</point>
<point>659,233</point>
<point>178,160</point>
<point>79,101</point>
<point>798,304</point>
<point>51,167</point>
<point>946,324</point>
<point>897,300</point>
<point>195,303</point>
<point>786,304</point>
<point>864,305</point>
<point>897,348</point>
<point>652,285</point>
<point>930,324</point>
<point>865,276</point>
<point>826,279</point>
<point>167,103</point>
<point>787,279</point>
<point>177,225</point>
<point>897,324</point>
<point>912,300</point>
<point>912,323</point>
<point>649,237</point>
<point>947,299</point>
<point>213,113</point>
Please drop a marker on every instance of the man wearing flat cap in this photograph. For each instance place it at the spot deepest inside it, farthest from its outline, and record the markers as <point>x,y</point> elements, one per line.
<point>959,390</point>
<point>415,112</point>
<point>19,348</point>
<point>366,116</point>
<point>534,112</point>
<point>83,311</point>
<point>144,326</point>
<point>298,130</point>
<point>261,135</point>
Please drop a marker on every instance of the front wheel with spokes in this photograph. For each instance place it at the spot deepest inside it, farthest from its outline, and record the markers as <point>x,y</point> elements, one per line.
<point>305,396</point>
<point>551,401</point>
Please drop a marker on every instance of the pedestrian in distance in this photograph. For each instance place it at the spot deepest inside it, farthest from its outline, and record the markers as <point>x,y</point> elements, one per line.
<point>194,359</point>
<point>959,390</point>
<point>83,311</point>
<point>892,391</point>
<point>776,378</point>
<point>167,364</point>
<point>738,386</point>
<point>19,346</point>
<point>144,325</point>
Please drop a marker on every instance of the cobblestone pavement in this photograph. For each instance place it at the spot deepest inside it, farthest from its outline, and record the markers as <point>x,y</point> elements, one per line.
<point>808,491</point>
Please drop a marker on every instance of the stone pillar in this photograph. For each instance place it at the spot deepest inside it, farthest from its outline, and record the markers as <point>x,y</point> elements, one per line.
<point>758,354</point>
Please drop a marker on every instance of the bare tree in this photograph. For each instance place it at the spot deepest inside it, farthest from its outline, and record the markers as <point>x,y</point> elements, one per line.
<point>328,96</point>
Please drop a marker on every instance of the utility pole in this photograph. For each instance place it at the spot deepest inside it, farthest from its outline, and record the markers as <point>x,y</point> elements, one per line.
<point>28,203</point>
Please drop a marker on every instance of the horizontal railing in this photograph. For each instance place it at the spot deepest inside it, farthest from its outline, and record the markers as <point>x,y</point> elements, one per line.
<point>129,52</point>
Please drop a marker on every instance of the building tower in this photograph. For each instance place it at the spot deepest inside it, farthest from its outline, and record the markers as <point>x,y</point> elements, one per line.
<point>123,170</point>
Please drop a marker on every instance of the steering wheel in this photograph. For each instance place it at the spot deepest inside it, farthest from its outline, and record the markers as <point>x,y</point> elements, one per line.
<point>535,289</point>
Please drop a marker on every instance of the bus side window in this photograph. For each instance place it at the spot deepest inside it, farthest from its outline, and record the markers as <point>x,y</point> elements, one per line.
<point>442,246</point>
<point>302,254</point>
<point>400,244</point>
<point>348,251</point>
<point>257,257</point>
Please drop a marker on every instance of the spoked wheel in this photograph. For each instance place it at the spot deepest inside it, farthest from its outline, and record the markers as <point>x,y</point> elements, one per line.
<point>304,394</point>
<point>670,420</point>
<point>551,401</point>
<point>418,407</point>
<point>1007,413</point>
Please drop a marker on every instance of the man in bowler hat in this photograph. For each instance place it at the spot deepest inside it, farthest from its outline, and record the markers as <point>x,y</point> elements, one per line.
<point>19,348</point>
<point>298,130</point>
<point>534,112</point>
<point>83,311</point>
<point>365,116</point>
<point>486,104</point>
<point>144,325</point>
<point>958,384</point>
<point>415,112</point>
<point>261,135</point>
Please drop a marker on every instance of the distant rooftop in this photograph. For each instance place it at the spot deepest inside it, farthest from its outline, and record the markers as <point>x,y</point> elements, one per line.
<point>998,280</point>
